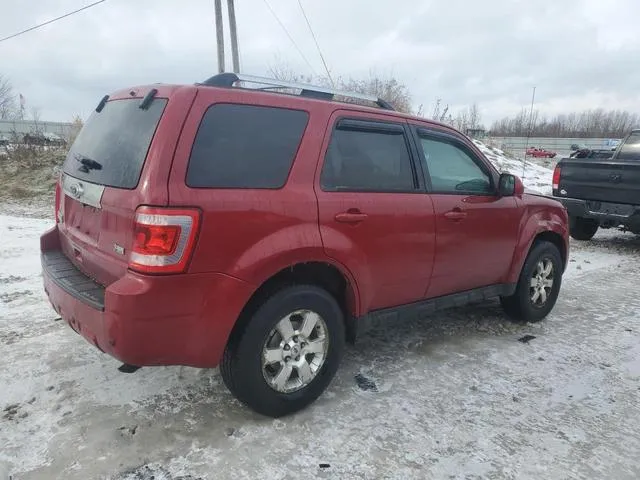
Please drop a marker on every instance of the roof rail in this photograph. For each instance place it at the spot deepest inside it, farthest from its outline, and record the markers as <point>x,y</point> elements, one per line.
<point>313,91</point>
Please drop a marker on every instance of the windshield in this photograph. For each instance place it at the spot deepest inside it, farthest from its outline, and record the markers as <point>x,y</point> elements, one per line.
<point>111,148</point>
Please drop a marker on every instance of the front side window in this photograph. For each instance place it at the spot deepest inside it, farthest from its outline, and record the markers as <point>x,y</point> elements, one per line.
<point>361,159</point>
<point>452,170</point>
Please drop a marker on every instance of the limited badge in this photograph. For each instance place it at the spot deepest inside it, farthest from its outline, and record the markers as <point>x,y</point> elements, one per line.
<point>118,249</point>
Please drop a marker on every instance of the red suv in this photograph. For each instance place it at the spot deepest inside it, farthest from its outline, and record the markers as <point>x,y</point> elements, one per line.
<point>260,228</point>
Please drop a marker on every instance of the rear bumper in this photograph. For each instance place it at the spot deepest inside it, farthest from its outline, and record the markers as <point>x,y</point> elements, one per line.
<point>608,214</point>
<point>146,320</point>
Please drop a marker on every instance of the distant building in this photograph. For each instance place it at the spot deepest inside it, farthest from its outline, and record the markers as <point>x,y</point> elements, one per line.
<point>477,133</point>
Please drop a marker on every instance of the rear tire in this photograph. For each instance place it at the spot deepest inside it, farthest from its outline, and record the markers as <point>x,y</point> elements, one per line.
<point>582,228</point>
<point>288,352</point>
<point>538,286</point>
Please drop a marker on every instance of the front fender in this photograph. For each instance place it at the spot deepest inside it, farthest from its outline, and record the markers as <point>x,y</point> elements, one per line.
<point>535,223</point>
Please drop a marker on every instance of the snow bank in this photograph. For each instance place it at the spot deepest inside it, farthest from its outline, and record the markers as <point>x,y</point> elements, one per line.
<point>536,179</point>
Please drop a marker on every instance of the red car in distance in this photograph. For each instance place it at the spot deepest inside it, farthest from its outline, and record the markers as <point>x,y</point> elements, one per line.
<point>540,153</point>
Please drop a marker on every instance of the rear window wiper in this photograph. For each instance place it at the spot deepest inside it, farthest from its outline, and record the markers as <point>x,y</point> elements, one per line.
<point>87,163</point>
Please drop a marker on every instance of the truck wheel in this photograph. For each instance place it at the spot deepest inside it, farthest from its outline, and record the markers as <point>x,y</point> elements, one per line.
<point>288,352</point>
<point>538,286</point>
<point>582,228</point>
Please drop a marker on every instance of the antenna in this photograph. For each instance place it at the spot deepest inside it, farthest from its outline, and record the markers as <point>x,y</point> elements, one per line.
<point>526,145</point>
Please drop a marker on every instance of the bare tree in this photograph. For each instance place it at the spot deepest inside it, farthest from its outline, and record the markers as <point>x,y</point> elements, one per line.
<point>439,113</point>
<point>461,120</point>
<point>7,99</point>
<point>282,71</point>
<point>387,88</point>
<point>443,115</point>
<point>77,125</point>
<point>436,110</point>
<point>474,116</point>
<point>589,123</point>
<point>35,115</point>
<point>468,118</point>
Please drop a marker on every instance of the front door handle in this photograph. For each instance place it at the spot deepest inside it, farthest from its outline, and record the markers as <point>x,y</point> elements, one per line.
<point>353,215</point>
<point>455,215</point>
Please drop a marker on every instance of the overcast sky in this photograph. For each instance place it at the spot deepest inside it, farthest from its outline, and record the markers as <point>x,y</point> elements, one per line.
<point>579,53</point>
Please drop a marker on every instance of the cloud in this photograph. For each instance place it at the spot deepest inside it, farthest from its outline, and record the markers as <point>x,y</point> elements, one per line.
<point>579,53</point>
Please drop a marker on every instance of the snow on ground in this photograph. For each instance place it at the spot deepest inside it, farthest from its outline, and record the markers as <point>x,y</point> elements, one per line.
<point>37,207</point>
<point>536,178</point>
<point>458,397</point>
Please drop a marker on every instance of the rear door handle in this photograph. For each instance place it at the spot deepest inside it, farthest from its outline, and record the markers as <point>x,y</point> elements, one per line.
<point>455,215</point>
<point>350,216</point>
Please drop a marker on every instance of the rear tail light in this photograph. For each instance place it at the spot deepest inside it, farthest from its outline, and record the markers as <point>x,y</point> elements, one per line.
<point>164,239</point>
<point>556,178</point>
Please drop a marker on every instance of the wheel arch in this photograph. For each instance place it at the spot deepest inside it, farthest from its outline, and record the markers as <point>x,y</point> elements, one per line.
<point>333,278</point>
<point>554,238</point>
<point>542,226</point>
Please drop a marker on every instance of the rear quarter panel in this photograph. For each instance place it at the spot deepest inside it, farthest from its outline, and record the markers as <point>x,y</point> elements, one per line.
<point>252,234</point>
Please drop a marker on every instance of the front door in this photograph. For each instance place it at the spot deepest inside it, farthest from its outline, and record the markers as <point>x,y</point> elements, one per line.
<point>476,229</point>
<point>374,215</point>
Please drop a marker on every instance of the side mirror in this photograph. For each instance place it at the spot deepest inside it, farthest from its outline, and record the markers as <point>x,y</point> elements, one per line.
<point>510,185</point>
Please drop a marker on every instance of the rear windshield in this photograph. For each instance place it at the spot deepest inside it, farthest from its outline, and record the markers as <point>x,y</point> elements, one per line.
<point>112,146</point>
<point>630,149</point>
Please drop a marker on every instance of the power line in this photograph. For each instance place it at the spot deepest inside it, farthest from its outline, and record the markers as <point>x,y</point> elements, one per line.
<point>316,42</point>
<point>290,37</point>
<point>52,20</point>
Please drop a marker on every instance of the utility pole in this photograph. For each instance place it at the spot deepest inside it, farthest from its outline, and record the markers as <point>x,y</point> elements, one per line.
<point>234,36</point>
<point>526,146</point>
<point>219,35</point>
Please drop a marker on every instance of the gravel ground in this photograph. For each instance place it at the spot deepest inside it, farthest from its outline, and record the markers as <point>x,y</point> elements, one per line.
<point>467,395</point>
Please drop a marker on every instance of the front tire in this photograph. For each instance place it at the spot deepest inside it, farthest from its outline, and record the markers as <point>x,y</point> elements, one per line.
<point>538,286</point>
<point>582,228</point>
<point>287,353</point>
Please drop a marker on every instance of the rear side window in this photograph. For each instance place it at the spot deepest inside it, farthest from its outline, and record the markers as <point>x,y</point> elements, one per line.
<point>630,150</point>
<point>368,158</point>
<point>245,146</point>
<point>112,146</point>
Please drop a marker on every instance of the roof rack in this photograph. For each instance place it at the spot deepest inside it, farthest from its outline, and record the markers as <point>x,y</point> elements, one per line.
<point>313,91</point>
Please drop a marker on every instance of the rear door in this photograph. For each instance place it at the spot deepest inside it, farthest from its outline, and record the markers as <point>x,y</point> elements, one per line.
<point>374,215</point>
<point>103,183</point>
<point>476,229</point>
